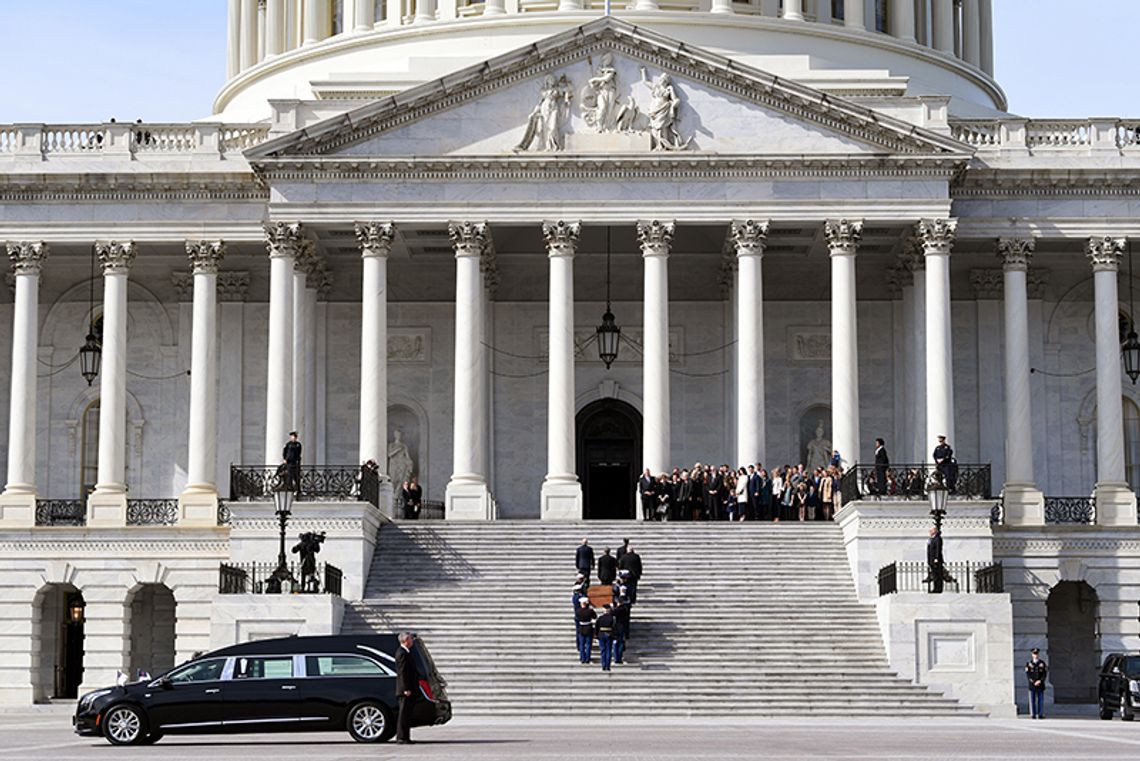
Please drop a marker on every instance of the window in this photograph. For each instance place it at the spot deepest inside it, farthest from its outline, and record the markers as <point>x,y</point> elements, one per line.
<point>89,453</point>
<point>1132,444</point>
<point>200,671</point>
<point>276,667</point>
<point>343,665</point>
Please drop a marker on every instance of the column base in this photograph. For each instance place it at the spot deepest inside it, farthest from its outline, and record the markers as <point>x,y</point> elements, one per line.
<point>1115,505</point>
<point>198,506</point>
<point>17,509</point>
<point>1023,505</point>
<point>107,508</point>
<point>561,499</point>
<point>468,500</point>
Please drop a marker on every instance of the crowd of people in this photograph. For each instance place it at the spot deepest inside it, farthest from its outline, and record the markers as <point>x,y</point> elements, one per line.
<point>620,572</point>
<point>712,493</point>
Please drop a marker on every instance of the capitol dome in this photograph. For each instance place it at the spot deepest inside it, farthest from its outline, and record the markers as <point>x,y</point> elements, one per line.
<point>339,52</point>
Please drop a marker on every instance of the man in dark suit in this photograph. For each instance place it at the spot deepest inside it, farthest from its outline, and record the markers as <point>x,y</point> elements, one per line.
<point>292,457</point>
<point>882,462</point>
<point>407,684</point>
<point>622,550</point>
<point>647,490</point>
<point>631,562</point>
<point>934,561</point>
<point>713,485</point>
<point>584,559</point>
<point>607,568</point>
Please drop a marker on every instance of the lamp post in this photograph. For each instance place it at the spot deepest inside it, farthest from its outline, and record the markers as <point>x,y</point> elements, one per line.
<point>608,333</point>
<point>283,498</point>
<point>937,493</point>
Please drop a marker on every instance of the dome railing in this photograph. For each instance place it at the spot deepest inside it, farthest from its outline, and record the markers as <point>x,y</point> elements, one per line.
<point>1048,135</point>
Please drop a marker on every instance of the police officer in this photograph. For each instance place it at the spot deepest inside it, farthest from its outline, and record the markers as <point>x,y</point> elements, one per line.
<point>1035,672</point>
<point>621,628</point>
<point>585,617</point>
<point>605,631</point>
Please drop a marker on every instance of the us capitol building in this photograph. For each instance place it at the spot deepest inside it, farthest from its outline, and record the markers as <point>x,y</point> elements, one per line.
<point>813,222</point>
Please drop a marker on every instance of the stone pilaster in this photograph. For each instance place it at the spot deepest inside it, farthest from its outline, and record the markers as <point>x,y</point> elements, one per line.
<point>843,238</point>
<point>655,238</point>
<point>284,242</point>
<point>748,239</point>
<point>937,238</point>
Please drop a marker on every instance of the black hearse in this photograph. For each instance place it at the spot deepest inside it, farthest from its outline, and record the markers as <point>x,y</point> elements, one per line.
<point>296,684</point>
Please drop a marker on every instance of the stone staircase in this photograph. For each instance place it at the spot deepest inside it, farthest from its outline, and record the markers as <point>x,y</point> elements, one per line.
<point>731,620</point>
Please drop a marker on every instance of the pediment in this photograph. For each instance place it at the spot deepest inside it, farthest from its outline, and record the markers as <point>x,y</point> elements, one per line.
<point>608,88</point>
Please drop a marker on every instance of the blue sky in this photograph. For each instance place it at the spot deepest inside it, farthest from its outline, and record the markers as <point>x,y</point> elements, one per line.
<point>164,60</point>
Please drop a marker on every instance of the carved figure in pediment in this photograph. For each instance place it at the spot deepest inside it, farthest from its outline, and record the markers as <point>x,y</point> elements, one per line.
<point>599,97</point>
<point>546,125</point>
<point>664,105</point>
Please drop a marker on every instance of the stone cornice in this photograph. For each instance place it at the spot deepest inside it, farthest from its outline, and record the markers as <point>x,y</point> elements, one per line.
<point>1027,183</point>
<point>158,187</point>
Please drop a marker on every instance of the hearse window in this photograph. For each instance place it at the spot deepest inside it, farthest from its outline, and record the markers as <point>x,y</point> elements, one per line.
<point>280,667</point>
<point>201,671</point>
<point>342,665</point>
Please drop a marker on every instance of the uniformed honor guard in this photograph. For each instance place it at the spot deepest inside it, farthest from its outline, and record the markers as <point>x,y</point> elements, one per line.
<point>605,630</point>
<point>586,616</point>
<point>581,589</point>
<point>1035,672</point>
<point>621,627</point>
<point>292,457</point>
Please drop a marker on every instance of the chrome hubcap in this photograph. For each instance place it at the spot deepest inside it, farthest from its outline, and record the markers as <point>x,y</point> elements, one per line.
<point>123,725</point>
<point>368,721</point>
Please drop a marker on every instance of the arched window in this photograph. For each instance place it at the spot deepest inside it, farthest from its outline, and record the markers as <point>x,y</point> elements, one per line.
<point>89,452</point>
<point>1132,443</point>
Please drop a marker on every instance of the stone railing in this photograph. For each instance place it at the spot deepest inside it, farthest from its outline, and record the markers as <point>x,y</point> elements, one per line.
<point>46,141</point>
<point>1048,135</point>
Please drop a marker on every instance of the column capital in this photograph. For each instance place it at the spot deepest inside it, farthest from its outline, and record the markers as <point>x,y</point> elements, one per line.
<point>561,237</point>
<point>936,235</point>
<point>307,262</point>
<point>284,238</point>
<point>375,238</point>
<point>27,257</point>
<point>843,236</point>
<point>1038,281</point>
<point>911,257</point>
<point>987,284</point>
<point>468,238</point>
<point>115,257</point>
<point>205,255</point>
<point>1015,253</point>
<point>1104,253</point>
<point>749,236</point>
<point>655,237</point>
<point>322,279</point>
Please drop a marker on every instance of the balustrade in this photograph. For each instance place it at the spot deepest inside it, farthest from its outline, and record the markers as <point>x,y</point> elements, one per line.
<point>910,482</point>
<point>1054,134</point>
<point>317,482</point>
<point>61,512</point>
<point>965,577</point>
<point>52,140</point>
<point>152,512</point>
<point>252,578</point>
<point>1078,510</point>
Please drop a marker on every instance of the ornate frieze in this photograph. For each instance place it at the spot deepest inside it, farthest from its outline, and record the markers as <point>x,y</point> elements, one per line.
<point>1016,253</point>
<point>655,237</point>
<point>561,237</point>
<point>115,257</point>
<point>843,236</point>
<point>1105,253</point>
<point>27,257</point>
<point>809,344</point>
<point>205,256</point>
<point>987,284</point>
<point>375,238</point>
<point>936,235</point>
<point>409,345</point>
<point>749,237</point>
<point>284,238</point>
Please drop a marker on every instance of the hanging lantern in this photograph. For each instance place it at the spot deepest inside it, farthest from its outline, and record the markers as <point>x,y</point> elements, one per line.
<point>609,335</point>
<point>1130,352</point>
<point>90,355</point>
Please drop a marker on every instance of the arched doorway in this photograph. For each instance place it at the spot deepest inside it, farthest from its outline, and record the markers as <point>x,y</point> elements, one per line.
<point>609,450</point>
<point>1072,613</point>
<point>151,610</point>
<point>59,647</point>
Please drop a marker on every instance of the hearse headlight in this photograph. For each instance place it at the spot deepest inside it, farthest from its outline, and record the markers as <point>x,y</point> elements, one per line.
<point>1134,686</point>
<point>91,697</point>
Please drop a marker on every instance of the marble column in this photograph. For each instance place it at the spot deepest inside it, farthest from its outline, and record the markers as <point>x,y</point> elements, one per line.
<point>233,39</point>
<point>561,493</point>
<point>1024,503</point>
<point>722,6</point>
<point>794,10</point>
<point>304,272</point>
<point>904,448</point>
<point>494,8</point>
<point>942,18</point>
<point>467,496</point>
<point>284,241</point>
<point>274,27</point>
<point>937,237</point>
<point>363,19</point>
<point>916,262</point>
<point>18,501</point>
<point>853,15</point>
<point>248,50</point>
<point>198,504</point>
<point>655,239</point>
<point>842,241</point>
<point>902,20</point>
<point>375,239</point>
<point>425,11</point>
<point>971,32</point>
<point>1115,502</point>
<point>748,238</point>
<point>986,42</point>
<point>107,505</point>
<point>313,26</point>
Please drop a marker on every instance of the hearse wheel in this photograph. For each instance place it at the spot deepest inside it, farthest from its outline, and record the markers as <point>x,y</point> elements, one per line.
<point>124,725</point>
<point>370,723</point>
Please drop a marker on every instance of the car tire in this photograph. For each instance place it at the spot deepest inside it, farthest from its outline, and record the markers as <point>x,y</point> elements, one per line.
<point>124,725</point>
<point>1126,713</point>
<point>370,722</point>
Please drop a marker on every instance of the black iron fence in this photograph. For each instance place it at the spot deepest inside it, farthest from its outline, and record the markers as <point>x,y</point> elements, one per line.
<point>909,481</point>
<point>61,512</point>
<point>1070,510</point>
<point>252,578</point>
<point>316,482</point>
<point>967,577</point>
<point>152,512</point>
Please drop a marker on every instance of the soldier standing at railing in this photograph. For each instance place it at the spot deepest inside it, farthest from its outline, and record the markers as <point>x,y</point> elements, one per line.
<point>292,455</point>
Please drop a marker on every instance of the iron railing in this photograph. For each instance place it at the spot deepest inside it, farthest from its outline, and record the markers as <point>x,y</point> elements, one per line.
<point>431,511</point>
<point>152,512</point>
<point>244,578</point>
<point>370,485</point>
<point>1080,510</point>
<point>909,481</point>
<point>968,577</point>
<point>317,482</point>
<point>61,512</point>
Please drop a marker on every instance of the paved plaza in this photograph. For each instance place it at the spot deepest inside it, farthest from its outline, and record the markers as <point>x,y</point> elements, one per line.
<point>47,735</point>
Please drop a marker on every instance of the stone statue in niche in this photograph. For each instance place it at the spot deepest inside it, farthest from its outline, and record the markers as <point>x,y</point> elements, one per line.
<point>401,466</point>
<point>599,97</point>
<point>818,454</point>
<point>546,125</point>
<point>664,105</point>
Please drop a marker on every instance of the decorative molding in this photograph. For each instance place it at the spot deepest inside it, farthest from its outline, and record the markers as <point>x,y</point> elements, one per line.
<point>561,237</point>
<point>843,236</point>
<point>987,284</point>
<point>166,544</point>
<point>120,188</point>
<point>1016,253</point>
<point>284,238</point>
<point>936,235</point>
<point>205,256</point>
<point>375,238</point>
<point>1104,253</point>
<point>410,346</point>
<point>655,237</point>
<point>115,257</point>
<point>27,257</point>
<point>809,344</point>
